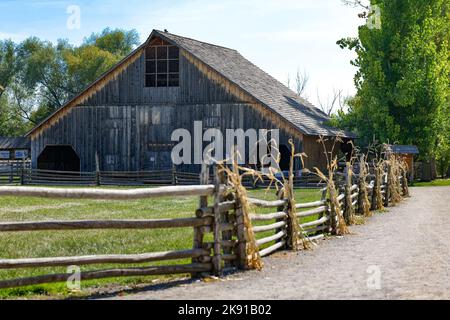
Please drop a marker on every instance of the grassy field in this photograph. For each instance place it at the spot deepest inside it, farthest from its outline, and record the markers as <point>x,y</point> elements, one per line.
<point>86,242</point>
<point>434,183</point>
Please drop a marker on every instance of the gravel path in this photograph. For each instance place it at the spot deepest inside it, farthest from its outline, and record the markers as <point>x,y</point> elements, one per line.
<point>406,248</point>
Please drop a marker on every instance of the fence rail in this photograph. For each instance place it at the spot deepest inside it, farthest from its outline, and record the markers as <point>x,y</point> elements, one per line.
<point>24,175</point>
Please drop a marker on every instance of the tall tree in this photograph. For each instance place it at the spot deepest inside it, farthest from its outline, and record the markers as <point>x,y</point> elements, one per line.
<point>403,77</point>
<point>37,77</point>
<point>8,64</point>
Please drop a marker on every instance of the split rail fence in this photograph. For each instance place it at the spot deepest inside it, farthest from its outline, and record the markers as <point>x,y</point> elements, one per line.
<point>219,214</point>
<point>17,174</point>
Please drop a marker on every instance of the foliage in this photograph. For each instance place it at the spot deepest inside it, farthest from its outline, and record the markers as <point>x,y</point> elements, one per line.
<point>403,77</point>
<point>37,77</point>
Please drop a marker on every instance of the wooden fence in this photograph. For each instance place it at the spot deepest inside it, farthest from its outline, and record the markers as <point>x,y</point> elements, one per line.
<point>19,175</point>
<point>222,217</point>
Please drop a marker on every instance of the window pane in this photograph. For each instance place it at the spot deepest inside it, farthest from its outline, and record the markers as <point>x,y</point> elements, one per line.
<point>150,80</point>
<point>162,66</point>
<point>173,52</point>
<point>161,52</point>
<point>162,80</point>
<point>174,65</point>
<point>150,67</point>
<point>150,53</point>
<point>174,80</point>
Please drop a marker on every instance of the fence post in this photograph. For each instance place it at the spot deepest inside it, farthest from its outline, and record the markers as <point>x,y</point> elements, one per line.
<point>387,190</point>
<point>11,179</point>
<point>218,191</point>
<point>332,210</point>
<point>174,174</point>
<point>281,196</point>
<point>22,173</point>
<point>242,239</point>
<point>97,170</point>
<point>199,231</point>
<point>225,217</point>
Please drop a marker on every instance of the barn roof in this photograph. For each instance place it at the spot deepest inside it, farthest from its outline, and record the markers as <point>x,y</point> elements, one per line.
<point>14,143</point>
<point>248,77</point>
<point>402,149</point>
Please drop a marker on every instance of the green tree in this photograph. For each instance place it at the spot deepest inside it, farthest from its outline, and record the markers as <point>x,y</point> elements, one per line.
<point>37,77</point>
<point>8,64</point>
<point>403,75</point>
<point>118,42</point>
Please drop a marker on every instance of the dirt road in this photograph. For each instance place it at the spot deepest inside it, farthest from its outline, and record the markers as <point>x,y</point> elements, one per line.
<point>400,254</point>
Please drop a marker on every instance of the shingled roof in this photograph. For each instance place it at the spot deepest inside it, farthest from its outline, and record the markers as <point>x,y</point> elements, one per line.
<point>263,87</point>
<point>402,149</point>
<point>248,77</point>
<point>14,143</point>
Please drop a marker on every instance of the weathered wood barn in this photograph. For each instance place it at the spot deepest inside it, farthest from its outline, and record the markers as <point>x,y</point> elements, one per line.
<point>125,118</point>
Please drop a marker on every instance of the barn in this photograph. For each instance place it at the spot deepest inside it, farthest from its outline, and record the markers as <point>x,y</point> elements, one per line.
<point>125,119</point>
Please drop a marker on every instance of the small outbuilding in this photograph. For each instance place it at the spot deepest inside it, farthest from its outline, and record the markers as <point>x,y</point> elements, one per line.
<point>14,148</point>
<point>406,153</point>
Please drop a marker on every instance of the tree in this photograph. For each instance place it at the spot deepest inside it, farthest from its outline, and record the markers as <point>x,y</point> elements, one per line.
<point>335,101</point>
<point>403,75</point>
<point>118,42</point>
<point>37,77</point>
<point>8,64</point>
<point>301,81</point>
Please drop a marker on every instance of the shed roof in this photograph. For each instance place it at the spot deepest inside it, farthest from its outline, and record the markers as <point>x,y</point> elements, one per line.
<point>402,149</point>
<point>248,77</point>
<point>15,143</point>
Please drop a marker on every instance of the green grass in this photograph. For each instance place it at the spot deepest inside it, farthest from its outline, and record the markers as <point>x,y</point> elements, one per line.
<point>434,183</point>
<point>86,242</point>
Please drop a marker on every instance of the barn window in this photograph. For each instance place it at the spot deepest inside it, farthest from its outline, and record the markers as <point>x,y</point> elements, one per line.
<point>162,65</point>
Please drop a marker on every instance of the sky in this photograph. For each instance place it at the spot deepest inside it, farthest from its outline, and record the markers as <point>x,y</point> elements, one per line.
<point>279,36</point>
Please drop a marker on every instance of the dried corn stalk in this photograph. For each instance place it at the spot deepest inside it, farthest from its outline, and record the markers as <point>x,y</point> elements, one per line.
<point>393,180</point>
<point>364,203</point>
<point>404,170</point>
<point>378,196</point>
<point>235,181</point>
<point>349,210</point>
<point>332,165</point>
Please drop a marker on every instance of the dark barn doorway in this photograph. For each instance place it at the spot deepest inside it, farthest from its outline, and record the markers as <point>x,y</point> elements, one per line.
<point>60,158</point>
<point>285,157</point>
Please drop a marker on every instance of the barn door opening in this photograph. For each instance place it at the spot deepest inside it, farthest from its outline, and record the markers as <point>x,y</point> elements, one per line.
<point>285,153</point>
<point>60,158</point>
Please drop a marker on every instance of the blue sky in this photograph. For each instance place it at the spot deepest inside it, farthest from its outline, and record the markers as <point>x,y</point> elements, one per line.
<point>279,36</point>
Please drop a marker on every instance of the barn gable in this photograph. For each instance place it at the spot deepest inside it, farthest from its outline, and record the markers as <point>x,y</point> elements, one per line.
<point>239,80</point>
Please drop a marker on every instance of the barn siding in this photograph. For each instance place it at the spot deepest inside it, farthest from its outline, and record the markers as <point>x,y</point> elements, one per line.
<point>128,124</point>
<point>125,136</point>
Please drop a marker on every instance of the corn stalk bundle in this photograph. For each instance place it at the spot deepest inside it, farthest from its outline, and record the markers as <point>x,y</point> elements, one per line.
<point>332,165</point>
<point>235,181</point>
<point>393,181</point>
<point>364,203</point>
<point>349,210</point>
<point>404,170</point>
<point>334,203</point>
<point>377,195</point>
